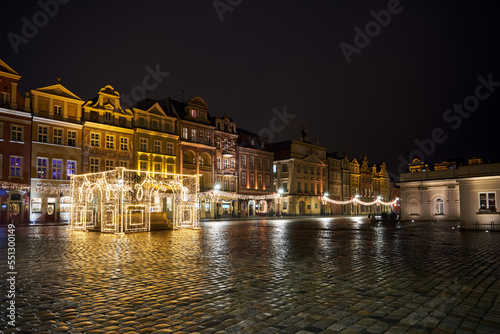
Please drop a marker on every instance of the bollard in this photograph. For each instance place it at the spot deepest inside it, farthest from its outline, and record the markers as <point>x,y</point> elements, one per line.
<point>492,226</point>
<point>477,226</point>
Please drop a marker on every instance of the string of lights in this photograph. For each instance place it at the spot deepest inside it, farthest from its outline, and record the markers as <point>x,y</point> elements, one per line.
<point>358,201</point>
<point>14,186</point>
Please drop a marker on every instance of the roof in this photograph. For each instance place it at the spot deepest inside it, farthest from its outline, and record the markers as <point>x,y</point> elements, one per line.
<point>251,140</point>
<point>7,69</point>
<point>146,104</point>
<point>58,90</point>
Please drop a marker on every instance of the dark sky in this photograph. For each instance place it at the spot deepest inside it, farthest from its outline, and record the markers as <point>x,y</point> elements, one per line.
<point>272,54</point>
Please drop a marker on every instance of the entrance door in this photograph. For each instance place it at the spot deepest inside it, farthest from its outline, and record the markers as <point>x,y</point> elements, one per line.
<point>51,212</point>
<point>302,208</point>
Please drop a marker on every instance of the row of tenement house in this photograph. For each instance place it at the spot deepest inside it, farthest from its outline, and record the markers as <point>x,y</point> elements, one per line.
<point>51,134</point>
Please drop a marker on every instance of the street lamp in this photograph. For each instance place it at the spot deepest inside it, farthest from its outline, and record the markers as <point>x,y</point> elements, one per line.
<point>280,192</point>
<point>323,202</point>
<point>357,204</point>
<point>216,196</point>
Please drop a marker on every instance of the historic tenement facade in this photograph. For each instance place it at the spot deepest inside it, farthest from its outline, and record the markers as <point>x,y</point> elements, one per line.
<point>255,174</point>
<point>56,151</point>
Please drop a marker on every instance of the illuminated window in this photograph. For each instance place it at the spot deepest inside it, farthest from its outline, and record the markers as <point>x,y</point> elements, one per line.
<point>143,145</point>
<point>4,98</point>
<point>124,143</point>
<point>274,168</point>
<point>70,168</point>
<point>157,167</point>
<point>16,133</point>
<point>232,164</point>
<point>94,165</point>
<point>41,168</point>
<point>95,139</point>
<point>226,184</point>
<point>193,113</point>
<point>226,163</point>
<point>285,187</point>
<point>193,134</point>
<point>56,169</point>
<point>170,148</point>
<point>57,136</point>
<point>71,138</point>
<point>243,161</point>
<point>57,110</point>
<point>110,142</point>
<point>109,165</point>
<point>185,133</point>
<point>43,132</point>
<point>157,146</point>
<point>15,166</point>
<point>487,202</point>
<point>252,179</point>
<point>218,163</point>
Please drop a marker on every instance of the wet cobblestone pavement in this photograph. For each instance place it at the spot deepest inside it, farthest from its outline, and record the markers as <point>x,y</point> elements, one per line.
<point>322,275</point>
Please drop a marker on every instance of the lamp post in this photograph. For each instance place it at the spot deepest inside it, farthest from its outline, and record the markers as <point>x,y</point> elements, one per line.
<point>379,207</point>
<point>323,202</point>
<point>216,196</point>
<point>280,192</point>
<point>357,205</point>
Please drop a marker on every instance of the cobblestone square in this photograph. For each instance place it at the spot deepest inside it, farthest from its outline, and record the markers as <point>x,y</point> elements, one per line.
<point>317,275</point>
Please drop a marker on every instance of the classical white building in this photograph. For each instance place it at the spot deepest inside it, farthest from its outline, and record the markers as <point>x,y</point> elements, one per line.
<point>465,193</point>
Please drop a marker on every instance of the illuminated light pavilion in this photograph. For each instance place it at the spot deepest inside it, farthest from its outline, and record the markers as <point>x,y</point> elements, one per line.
<point>122,201</point>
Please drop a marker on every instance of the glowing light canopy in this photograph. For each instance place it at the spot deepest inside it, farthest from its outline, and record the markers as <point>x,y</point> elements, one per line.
<point>122,200</point>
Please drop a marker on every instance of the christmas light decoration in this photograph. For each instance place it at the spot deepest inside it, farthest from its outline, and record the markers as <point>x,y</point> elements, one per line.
<point>50,188</point>
<point>357,201</point>
<point>121,200</point>
<point>14,186</point>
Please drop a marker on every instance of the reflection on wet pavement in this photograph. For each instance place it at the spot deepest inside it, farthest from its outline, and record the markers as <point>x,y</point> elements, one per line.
<point>315,275</point>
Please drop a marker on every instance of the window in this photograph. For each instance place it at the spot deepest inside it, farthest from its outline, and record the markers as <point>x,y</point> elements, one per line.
<point>209,138</point>
<point>185,133</point>
<point>94,165</point>
<point>298,168</point>
<point>233,185</point>
<point>232,163</point>
<point>70,168</point>
<point>124,164</point>
<point>158,167</point>
<point>57,110</point>
<point>157,146</point>
<point>259,180</point>
<point>252,179</point>
<point>274,168</point>
<point>193,113</point>
<point>123,143</point>
<point>56,169</point>
<point>284,168</point>
<point>201,134</point>
<point>243,161</point>
<point>268,164</point>
<point>95,139</point>
<point>43,134</point>
<point>225,143</point>
<point>57,136</point>
<point>487,202</point>
<point>170,168</point>
<point>143,145</point>
<point>226,163</point>
<point>1,131</point>
<point>439,207</point>
<point>226,184</point>
<point>252,161</point>
<point>15,166</point>
<point>193,134</point>
<point>168,127</point>
<point>217,142</point>
<point>259,163</point>
<point>71,138</point>
<point>41,168</point>
<point>142,121</point>
<point>243,178</point>
<point>170,148</point>
<point>268,181</point>
<point>156,124</point>
<point>110,142</point>
<point>109,165</point>
<point>299,187</point>
<point>218,163</point>
<point>4,98</point>
<point>285,205</point>
<point>306,187</point>
<point>144,165</point>
<point>285,187</point>
<point>108,116</point>
<point>16,133</point>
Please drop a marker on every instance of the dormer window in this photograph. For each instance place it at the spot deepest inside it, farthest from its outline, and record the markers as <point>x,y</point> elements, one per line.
<point>57,110</point>
<point>193,113</point>
<point>4,98</point>
<point>107,116</point>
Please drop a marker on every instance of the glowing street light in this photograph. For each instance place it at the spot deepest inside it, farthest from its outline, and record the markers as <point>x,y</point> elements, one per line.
<point>280,192</point>
<point>216,196</point>
<point>323,202</point>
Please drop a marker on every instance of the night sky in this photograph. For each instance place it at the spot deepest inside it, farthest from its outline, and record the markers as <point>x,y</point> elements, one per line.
<point>271,54</point>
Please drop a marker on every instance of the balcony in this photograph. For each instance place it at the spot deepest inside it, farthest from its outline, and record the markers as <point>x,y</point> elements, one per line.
<point>228,152</point>
<point>229,171</point>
